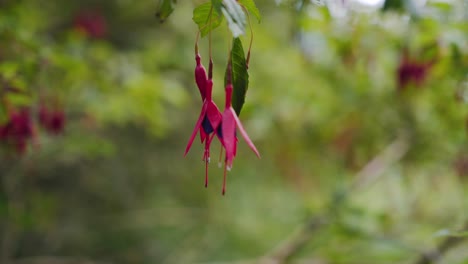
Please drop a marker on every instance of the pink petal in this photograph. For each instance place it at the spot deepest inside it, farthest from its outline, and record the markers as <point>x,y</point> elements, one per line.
<point>235,149</point>
<point>196,129</point>
<point>202,135</point>
<point>201,77</point>
<point>214,115</point>
<point>228,127</point>
<point>243,132</point>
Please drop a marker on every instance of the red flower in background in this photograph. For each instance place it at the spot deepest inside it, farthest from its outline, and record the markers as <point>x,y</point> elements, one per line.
<point>92,23</point>
<point>18,130</point>
<point>3,132</point>
<point>52,121</point>
<point>411,71</point>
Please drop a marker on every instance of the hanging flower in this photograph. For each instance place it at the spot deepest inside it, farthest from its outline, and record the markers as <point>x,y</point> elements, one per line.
<point>230,122</point>
<point>201,79</point>
<point>411,71</point>
<point>92,23</point>
<point>53,121</point>
<point>18,130</point>
<point>208,122</point>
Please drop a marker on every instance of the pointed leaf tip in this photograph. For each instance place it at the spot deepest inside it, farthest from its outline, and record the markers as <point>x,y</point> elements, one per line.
<point>165,9</point>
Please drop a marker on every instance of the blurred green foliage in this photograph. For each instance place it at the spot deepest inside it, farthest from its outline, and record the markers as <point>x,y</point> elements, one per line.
<point>323,102</point>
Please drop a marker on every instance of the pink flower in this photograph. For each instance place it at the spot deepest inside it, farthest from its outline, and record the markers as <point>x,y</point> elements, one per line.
<point>230,122</point>
<point>201,79</point>
<point>92,23</point>
<point>52,121</point>
<point>208,122</point>
<point>411,71</point>
<point>18,130</point>
<point>3,132</point>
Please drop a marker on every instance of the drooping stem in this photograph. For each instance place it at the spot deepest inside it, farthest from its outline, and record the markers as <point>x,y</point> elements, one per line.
<point>206,173</point>
<point>197,38</point>
<point>206,155</point>
<point>229,70</point>
<point>196,42</point>
<point>210,68</point>
<point>229,65</point>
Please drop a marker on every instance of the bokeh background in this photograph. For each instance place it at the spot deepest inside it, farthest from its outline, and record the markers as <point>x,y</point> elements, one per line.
<point>358,108</point>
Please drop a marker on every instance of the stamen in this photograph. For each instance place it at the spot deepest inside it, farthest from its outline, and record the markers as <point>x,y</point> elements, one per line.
<point>206,174</point>
<point>224,179</point>
<point>220,162</point>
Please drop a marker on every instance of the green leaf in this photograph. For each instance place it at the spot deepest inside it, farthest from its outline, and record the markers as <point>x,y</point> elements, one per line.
<point>8,69</point>
<point>19,99</point>
<point>217,4</point>
<point>201,16</point>
<point>397,5</point>
<point>240,76</point>
<point>235,17</point>
<point>165,9</point>
<point>252,8</point>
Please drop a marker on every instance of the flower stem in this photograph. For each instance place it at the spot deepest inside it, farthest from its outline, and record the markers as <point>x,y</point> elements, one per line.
<point>210,69</point>
<point>206,173</point>
<point>196,42</point>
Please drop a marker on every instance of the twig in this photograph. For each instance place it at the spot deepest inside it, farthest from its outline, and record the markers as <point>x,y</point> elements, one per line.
<point>434,255</point>
<point>369,173</point>
<point>298,240</point>
<point>374,168</point>
<point>56,260</point>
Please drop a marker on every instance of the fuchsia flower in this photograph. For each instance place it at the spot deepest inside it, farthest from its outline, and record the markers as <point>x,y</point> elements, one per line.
<point>208,123</point>
<point>92,23</point>
<point>3,132</point>
<point>411,71</point>
<point>52,121</point>
<point>201,79</point>
<point>211,122</point>
<point>229,138</point>
<point>18,130</point>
